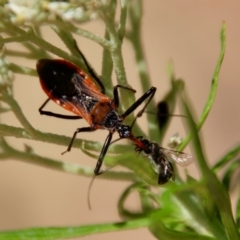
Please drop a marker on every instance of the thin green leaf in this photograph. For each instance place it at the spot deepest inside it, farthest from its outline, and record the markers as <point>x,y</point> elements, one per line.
<point>238,213</point>
<point>163,233</point>
<point>170,99</point>
<point>67,38</point>
<point>213,89</point>
<point>226,159</point>
<point>22,70</point>
<point>229,173</point>
<point>184,203</point>
<point>216,190</point>
<point>140,165</point>
<point>4,110</point>
<point>28,156</point>
<point>107,69</point>
<point>68,232</point>
<point>122,209</point>
<point>135,17</point>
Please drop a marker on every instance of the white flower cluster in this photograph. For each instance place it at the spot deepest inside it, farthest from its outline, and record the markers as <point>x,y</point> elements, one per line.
<point>28,12</point>
<point>174,141</point>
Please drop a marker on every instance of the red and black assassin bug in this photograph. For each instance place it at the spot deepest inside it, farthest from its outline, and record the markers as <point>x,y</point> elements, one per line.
<point>71,88</point>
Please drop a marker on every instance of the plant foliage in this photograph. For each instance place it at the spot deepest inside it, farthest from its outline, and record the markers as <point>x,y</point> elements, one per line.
<point>191,209</point>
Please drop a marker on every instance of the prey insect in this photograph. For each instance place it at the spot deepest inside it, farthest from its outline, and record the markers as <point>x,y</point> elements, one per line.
<point>74,90</point>
<point>161,158</point>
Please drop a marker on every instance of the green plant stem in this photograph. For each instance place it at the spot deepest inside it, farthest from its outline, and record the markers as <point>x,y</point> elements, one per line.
<point>146,202</point>
<point>18,113</point>
<point>30,36</point>
<point>107,69</point>
<point>14,31</point>
<point>21,54</point>
<point>143,170</point>
<point>213,89</point>
<point>123,19</point>
<point>67,232</point>
<point>86,34</point>
<point>67,39</point>
<point>10,131</point>
<point>226,159</point>
<point>30,158</point>
<point>108,15</point>
<point>22,70</point>
<point>116,55</point>
<point>67,26</point>
<point>135,13</point>
<point>115,49</point>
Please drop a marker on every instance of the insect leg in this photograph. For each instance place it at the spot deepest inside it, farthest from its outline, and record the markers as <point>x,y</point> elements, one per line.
<point>163,113</point>
<point>90,69</point>
<point>102,155</point>
<point>84,129</point>
<point>149,94</point>
<point>116,94</point>
<point>51,114</point>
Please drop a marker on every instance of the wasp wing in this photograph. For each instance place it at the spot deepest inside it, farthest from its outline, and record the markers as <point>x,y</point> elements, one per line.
<point>183,159</point>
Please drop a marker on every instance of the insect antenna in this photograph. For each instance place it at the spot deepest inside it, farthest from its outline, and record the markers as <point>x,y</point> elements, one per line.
<point>91,184</point>
<point>89,192</point>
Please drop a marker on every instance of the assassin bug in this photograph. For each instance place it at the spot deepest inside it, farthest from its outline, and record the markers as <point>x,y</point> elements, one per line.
<point>74,90</point>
